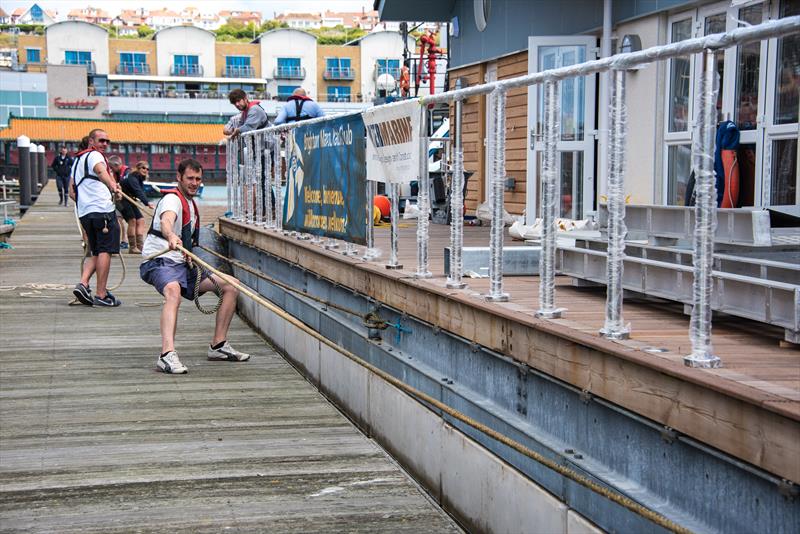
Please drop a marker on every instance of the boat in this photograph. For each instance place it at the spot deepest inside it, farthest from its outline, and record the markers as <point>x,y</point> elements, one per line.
<point>157,189</point>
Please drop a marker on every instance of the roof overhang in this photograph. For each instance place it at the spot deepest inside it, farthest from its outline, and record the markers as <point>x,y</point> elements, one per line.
<point>178,79</point>
<point>414,10</point>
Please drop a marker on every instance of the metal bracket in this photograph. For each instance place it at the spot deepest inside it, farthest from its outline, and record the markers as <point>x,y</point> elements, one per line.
<point>668,434</point>
<point>586,396</point>
<point>788,489</point>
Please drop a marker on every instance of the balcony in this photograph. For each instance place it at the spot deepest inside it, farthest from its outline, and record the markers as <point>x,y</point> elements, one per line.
<point>338,99</point>
<point>86,63</point>
<point>186,70</point>
<point>290,73</point>
<point>344,73</point>
<point>133,68</point>
<point>393,71</point>
<point>239,71</point>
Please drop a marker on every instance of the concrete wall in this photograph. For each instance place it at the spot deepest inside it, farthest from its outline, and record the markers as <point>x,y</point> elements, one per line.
<point>338,51</point>
<point>80,36</point>
<point>115,46</point>
<point>68,84</point>
<point>286,42</point>
<point>379,45</point>
<point>237,49</point>
<point>185,40</point>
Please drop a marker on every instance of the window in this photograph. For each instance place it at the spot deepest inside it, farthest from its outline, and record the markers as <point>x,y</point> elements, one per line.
<point>285,91</point>
<point>748,62</point>
<point>238,67</point>
<point>680,79</point>
<point>678,170</point>
<point>338,93</point>
<point>388,66</point>
<point>33,55</point>
<point>75,57</point>
<point>787,86</point>
<point>133,63</point>
<point>338,68</point>
<point>185,65</point>
<point>289,67</point>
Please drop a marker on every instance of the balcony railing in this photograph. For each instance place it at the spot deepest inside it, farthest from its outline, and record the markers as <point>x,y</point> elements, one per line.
<point>86,63</point>
<point>344,73</point>
<point>133,68</point>
<point>290,73</point>
<point>243,71</point>
<point>338,98</point>
<point>394,71</point>
<point>186,70</point>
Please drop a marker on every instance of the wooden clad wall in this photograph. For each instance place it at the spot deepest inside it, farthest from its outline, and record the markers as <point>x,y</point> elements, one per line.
<point>474,131</point>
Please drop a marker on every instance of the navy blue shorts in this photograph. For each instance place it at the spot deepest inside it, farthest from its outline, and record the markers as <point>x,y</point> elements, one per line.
<point>94,224</point>
<point>158,272</point>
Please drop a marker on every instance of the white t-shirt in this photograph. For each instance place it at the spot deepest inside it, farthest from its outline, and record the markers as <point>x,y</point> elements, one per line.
<point>93,195</point>
<point>152,243</point>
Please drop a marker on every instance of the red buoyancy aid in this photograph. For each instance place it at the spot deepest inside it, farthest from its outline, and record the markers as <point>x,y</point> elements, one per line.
<point>189,237</point>
<point>247,110</point>
<point>87,172</point>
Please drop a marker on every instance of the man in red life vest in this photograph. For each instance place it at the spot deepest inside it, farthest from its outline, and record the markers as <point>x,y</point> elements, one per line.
<point>94,190</point>
<point>251,117</point>
<point>176,221</point>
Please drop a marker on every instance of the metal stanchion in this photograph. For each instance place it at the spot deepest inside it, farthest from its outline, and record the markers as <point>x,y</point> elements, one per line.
<point>33,157</point>
<point>547,257</point>
<point>247,193</point>
<point>270,215</point>
<point>454,278</point>
<point>278,164</point>
<point>25,189</point>
<point>615,327</point>
<point>705,213</point>
<point>258,153</point>
<point>423,198</point>
<point>394,242</point>
<point>42,167</point>
<point>497,153</point>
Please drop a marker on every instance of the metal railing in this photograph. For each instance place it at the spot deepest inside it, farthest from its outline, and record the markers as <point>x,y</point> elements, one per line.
<point>186,70</point>
<point>90,66</point>
<point>242,71</point>
<point>393,71</point>
<point>290,73</point>
<point>344,73</point>
<point>133,68</point>
<point>246,179</point>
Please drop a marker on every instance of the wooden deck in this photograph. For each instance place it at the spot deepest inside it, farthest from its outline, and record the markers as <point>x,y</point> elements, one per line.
<point>750,408</point>
<point>93,439</point>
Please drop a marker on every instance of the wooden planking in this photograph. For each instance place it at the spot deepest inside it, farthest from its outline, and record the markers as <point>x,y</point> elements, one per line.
<point>735,413</point>
<point>92,438</point>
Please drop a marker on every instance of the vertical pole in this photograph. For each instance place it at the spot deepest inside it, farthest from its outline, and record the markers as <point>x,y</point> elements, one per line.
<point>394,198</point>
<point>603,103</point>
<point>454,278</point>
<point>278,182</point>
<point>33,157</point>
<point>229,175</point>
<point>547,257</point>
<point>247,193</point>
<point>24,148</point>
<point>270,142</point>
<point>615,327</point>
<point>423,198</point>
<point>370,253</point>
<point>497,140</point>
<point>42,167</point>
<point>258,154</point>
<point>705,214</point>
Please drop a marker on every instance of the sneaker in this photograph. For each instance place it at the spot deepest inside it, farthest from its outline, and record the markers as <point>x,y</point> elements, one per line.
<point>123,245</point>
<point>170,364</point>
<point>109,300</point>
<point>83,294</point>
<point>227,353</point>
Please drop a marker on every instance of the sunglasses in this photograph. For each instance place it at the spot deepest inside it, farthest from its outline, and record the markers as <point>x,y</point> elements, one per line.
<point>104,141</point>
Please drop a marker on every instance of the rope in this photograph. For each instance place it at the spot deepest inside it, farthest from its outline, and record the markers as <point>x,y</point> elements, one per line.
<point>571,474</point>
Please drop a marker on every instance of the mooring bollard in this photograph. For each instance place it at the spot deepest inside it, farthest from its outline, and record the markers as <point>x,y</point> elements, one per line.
<point>42,167</point>
<point>33,157</point>
<point>25,186</point>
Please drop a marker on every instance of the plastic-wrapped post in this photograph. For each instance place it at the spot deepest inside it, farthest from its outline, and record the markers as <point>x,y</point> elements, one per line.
<point>229,176</point>
<point>258,150</point>
<point>267,151</point>
<point>497,155</point>
<point>394,199</point>
<point>423,198</point>
<point>547,257</point>
<point>278,182</point>
<point>705,215</point>
<point>454,278</point>
<point>248,179</point>
<point>615,327</point>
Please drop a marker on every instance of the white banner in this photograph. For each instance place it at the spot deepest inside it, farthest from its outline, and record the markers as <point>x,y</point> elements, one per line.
<point>393,142</point>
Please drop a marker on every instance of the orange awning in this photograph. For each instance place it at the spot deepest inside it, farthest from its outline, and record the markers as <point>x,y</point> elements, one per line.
<point>132,132</point>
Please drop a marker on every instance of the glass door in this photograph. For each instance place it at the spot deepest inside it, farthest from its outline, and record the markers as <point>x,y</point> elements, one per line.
<point>577,130</point>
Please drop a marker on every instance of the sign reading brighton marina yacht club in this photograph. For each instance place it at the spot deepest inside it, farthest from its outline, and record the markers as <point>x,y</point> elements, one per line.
<point>393,142</point>
<point>79,103</point>
<point>326,180</point>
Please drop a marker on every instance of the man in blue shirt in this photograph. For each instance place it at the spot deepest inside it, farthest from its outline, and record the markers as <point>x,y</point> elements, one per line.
<point>298,107</point>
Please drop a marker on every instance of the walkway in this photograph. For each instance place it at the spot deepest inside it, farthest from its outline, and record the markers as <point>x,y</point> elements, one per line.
<point>92,438</point>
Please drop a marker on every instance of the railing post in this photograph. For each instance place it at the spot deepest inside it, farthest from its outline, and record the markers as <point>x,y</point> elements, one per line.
<point>257,155</point>
<point>267,150</point>
<point>394,198</point>
<point>497,157</point>
<point>370,253</point>
<point>25,189</point>
<point>705,216</point>
<point>547,257</point>
<point>454,278</point>
<point>423,197</point>
<point>615,327</point>
<point>247,152</point>
<point>229,176</point>
<point>278,183</point>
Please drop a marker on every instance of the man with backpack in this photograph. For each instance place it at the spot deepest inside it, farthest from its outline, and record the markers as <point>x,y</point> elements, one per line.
<point>94,191</point>
<point>176,221</point>
<point>251,117</point>
<point>298,107</point>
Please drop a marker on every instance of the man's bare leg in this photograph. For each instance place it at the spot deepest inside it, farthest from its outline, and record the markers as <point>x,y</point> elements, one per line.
<point>88,269</point>
<point>226,309</point>
<point>169,316</point>
<point>102,266</point>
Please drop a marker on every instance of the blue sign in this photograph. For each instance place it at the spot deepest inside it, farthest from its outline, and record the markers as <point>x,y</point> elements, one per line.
<point>326,180</point>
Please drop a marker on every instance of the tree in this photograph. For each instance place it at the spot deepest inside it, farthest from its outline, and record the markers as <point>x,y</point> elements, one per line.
<point>145,31</point>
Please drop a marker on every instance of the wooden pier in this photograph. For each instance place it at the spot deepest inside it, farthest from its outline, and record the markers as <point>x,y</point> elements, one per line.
<point>93,439</point>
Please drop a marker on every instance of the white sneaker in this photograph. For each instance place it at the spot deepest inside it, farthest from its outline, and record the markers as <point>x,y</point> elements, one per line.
<point>171,364</point>
<point>227,353</point>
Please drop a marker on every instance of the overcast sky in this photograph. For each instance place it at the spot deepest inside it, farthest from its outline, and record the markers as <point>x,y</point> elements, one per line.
<point>267,7</point>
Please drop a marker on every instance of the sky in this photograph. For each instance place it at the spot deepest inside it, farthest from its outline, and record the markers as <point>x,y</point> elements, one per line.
<point>267,7</point>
